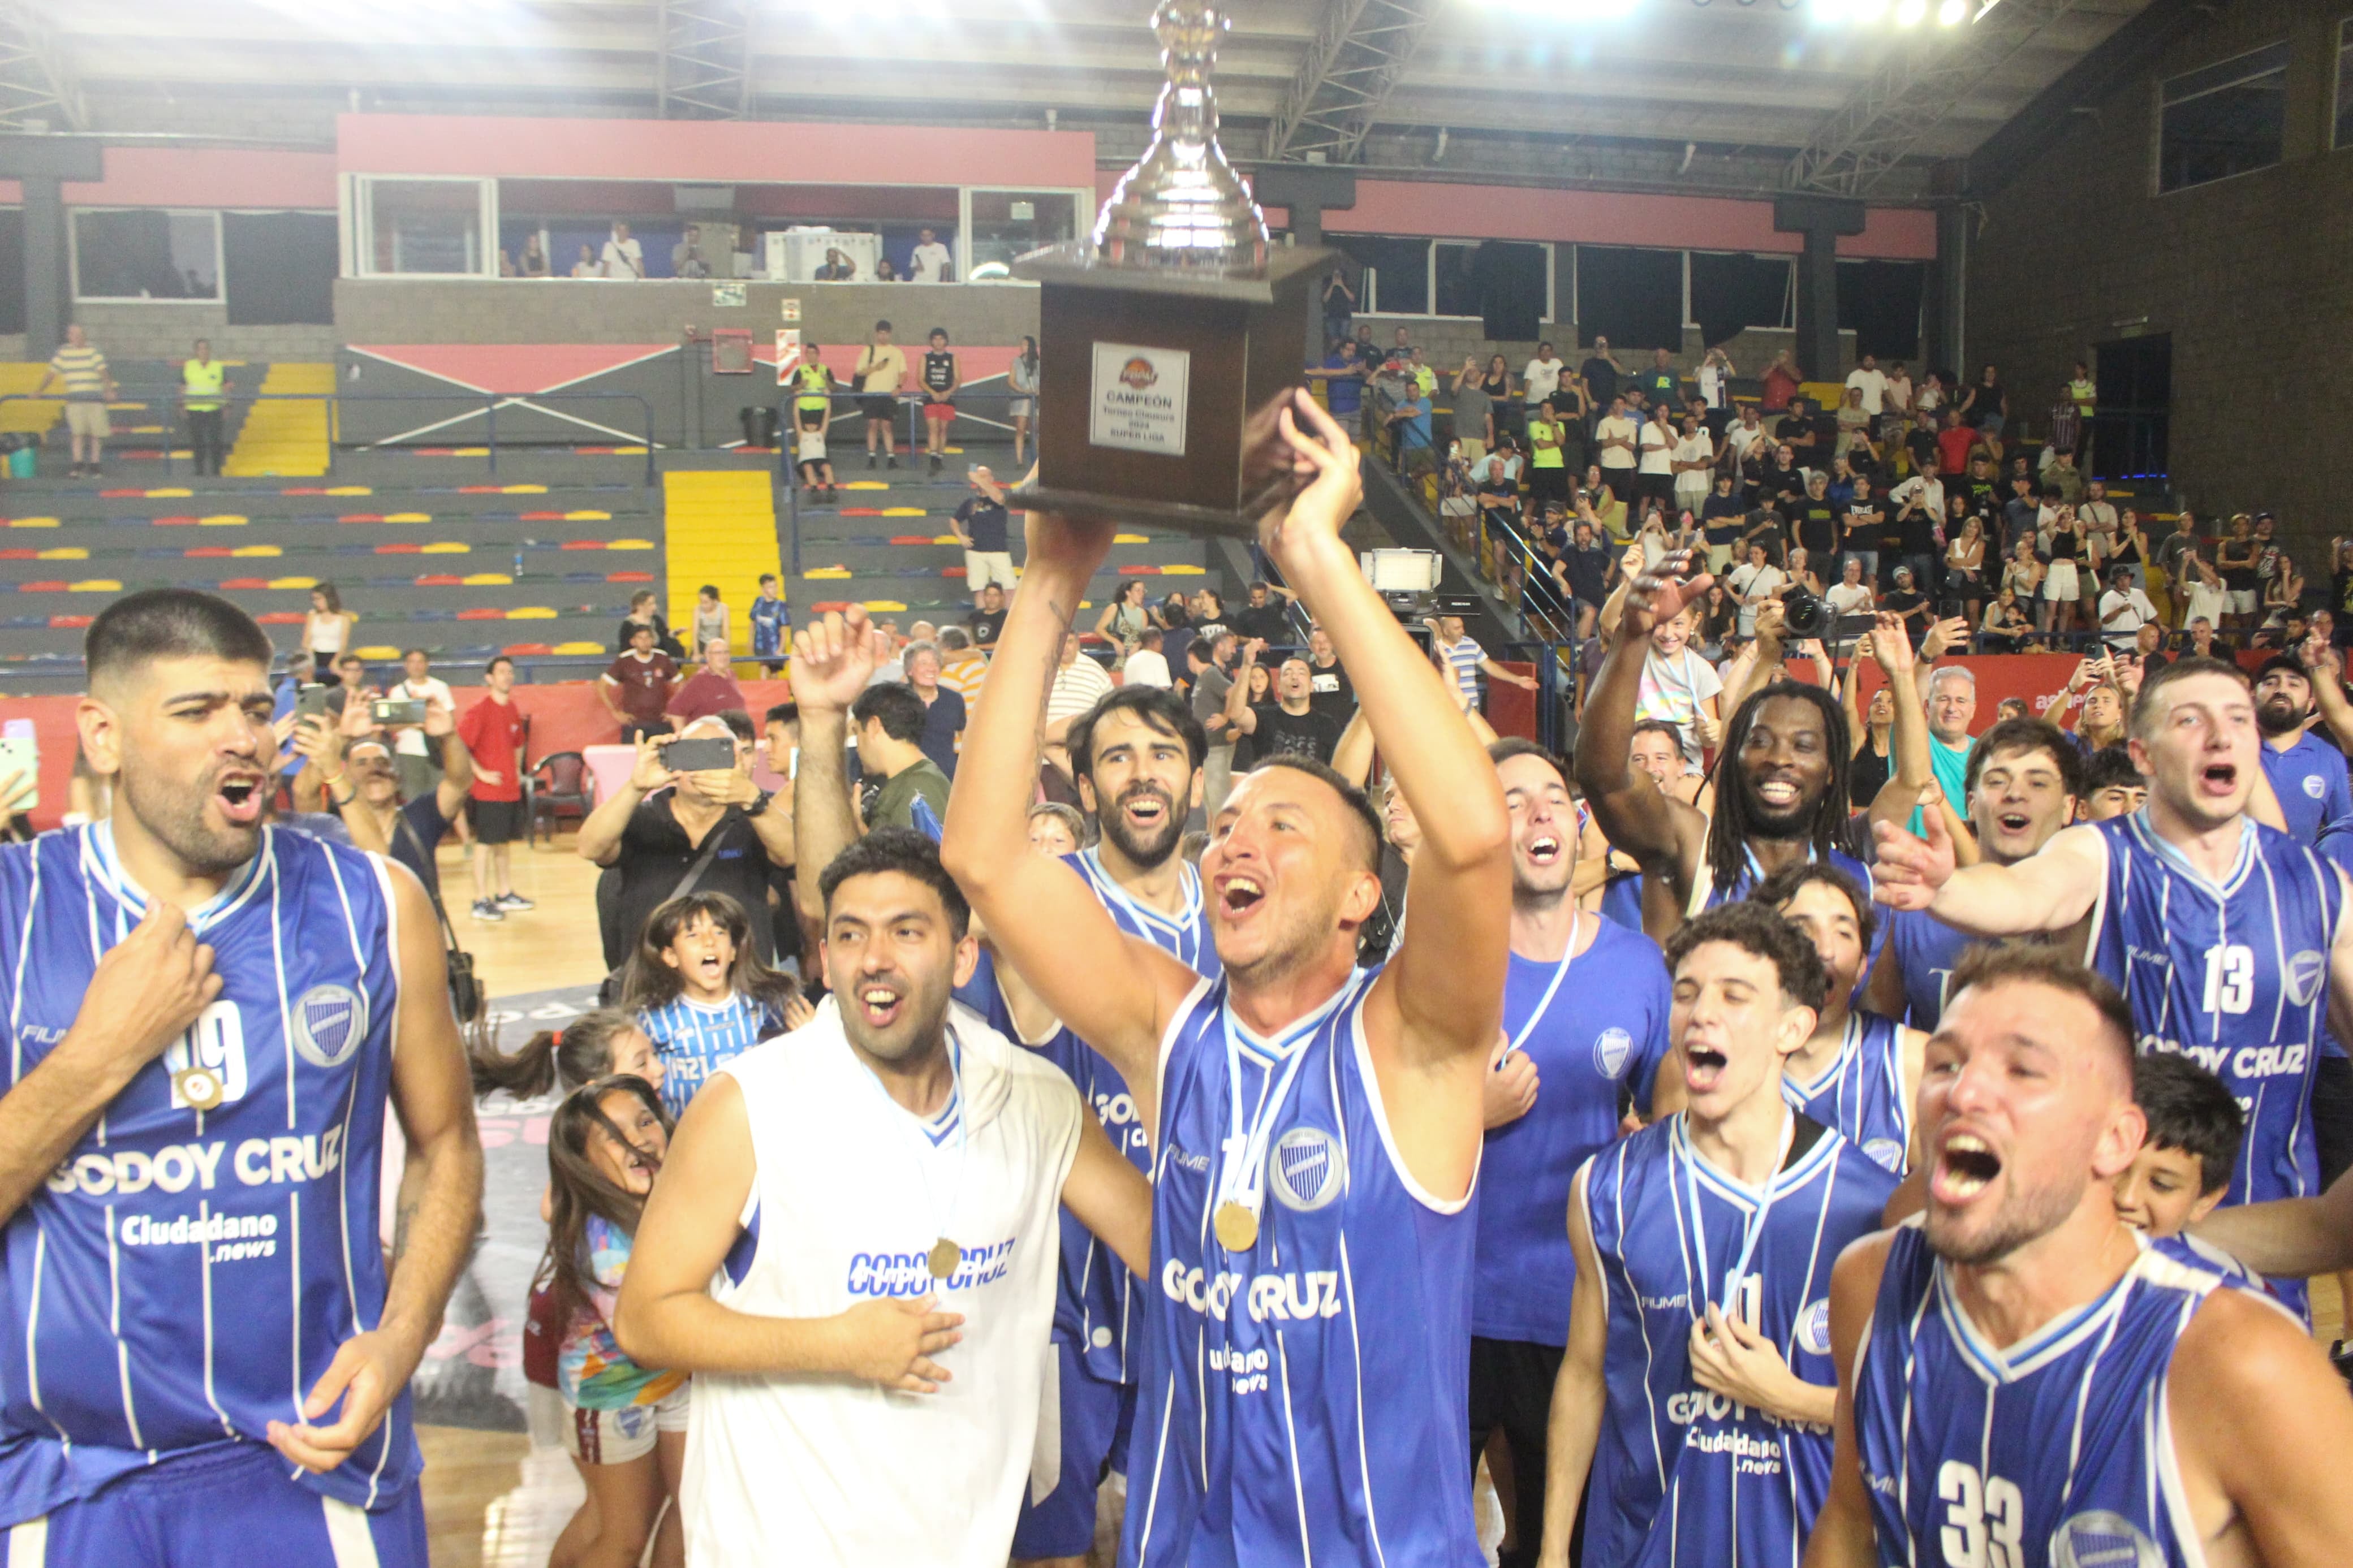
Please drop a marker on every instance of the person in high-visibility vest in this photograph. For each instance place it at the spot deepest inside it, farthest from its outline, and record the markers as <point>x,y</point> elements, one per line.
<point>201,378</point>
<point>812,415</point>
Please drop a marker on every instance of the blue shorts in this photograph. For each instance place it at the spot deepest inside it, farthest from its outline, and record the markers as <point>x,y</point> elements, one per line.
<point>1096,1417</point>
<point>228,1507</point>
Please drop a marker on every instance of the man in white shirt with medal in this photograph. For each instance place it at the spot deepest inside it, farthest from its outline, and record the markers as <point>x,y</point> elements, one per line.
<point>854,1246</point>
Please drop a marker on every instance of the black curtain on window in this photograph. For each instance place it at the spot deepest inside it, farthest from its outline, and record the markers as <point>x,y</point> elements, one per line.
<point>1879,301</point>
<point>1510,280</point>
<point>280,266</point>
<point>1632,297</point>
<point>1730,293</point>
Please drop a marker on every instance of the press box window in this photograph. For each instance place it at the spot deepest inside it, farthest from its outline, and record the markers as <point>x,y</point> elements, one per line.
<point>146,253</point>
<point>2228,118</point>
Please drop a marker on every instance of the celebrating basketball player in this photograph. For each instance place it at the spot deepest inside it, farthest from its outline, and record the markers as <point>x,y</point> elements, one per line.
<point>1585,1024</point>
<point>2025,1379</point>
<point>1696,1390</point>
<point>2228,938</point>
<point>205,1019</point>
<point>1315,1128</point>
<point>1138,754</point>
<point>867,1205</point>
<point>1783,798</point>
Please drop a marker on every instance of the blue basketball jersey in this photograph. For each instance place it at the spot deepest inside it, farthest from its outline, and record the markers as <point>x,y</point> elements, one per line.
<point>1300,1400</point>
<point>695,1039</point>
<point>1861,1094</point>
<point>1929,951</point>
<point>1683,1476</point>
<point>2056,1451</point>
<point>1093,1304</point>
<point>2235,976</point>
<point>185,1275</point>
<point>1707,895</point>
<point>1591,1025</point>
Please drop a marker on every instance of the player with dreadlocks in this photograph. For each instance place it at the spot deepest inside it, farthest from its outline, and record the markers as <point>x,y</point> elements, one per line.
<point>1782,798</point>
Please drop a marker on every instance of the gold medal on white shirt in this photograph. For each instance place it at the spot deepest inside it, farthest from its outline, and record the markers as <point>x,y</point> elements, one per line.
<point>199,1086</point>
<point>945,1256</point>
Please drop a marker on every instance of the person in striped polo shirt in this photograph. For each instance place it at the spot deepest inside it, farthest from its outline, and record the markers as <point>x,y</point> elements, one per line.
<point>1462,659</point>
<point>89,385</point>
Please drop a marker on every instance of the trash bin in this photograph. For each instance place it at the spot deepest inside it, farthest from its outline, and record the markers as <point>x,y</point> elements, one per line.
<point>759,427</point>
<point>23,458</point>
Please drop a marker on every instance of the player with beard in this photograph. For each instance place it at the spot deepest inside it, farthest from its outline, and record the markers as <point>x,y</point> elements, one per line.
<point>208,1018</point>
<point>2229,938</point>
<point>2307,773</point>
<point>2024,779</point>
<point>1782,794</point>
<point>2025,1379</point>
<point>1697,1388</point>
<point>1316,1129</point>
<point>1585,1025</point>
<point>862,1207</point>
<point>1137,753</point>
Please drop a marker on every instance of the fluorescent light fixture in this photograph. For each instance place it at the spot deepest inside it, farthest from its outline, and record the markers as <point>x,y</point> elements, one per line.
<point>1951,13</point>
<point>1911,13</point>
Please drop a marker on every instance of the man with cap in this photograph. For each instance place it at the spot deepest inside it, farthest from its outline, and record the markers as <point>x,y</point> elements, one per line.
<point>2307,773</point>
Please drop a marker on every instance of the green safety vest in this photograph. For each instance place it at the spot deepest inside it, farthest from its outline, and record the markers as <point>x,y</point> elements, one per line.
<point>203,383</point>
<point>813,393</point>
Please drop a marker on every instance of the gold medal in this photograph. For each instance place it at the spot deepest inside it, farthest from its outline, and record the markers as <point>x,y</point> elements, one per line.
<point>945,1257</point>
<point>200,1087</point>
<point>1237,1227</point>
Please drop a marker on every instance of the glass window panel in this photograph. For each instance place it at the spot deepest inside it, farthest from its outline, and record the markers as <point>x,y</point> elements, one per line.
<point>1009,224</point>
<point>2231,128</point>
<point>2344,137</point>
<point>426,226</point>
<point>1458,292</point>
<point>1400,269</point>
<point>146,254</point>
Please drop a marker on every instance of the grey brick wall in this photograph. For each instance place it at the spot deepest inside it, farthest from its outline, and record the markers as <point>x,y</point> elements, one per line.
<point>560,311</point>
<point>2252,277</point>
<point>164,331</point>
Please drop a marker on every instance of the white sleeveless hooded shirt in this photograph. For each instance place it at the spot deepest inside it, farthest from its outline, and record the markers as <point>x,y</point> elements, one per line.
<point>850,1193</point>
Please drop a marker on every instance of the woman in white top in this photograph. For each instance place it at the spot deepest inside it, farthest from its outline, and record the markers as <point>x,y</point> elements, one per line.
<point>1124,620</point>
<point>1716,374</point>
<point>2022,576</point>
<point>1965,566</point>
<point>1021,380</point>
<point>327,630</point>
<point>710,619</point>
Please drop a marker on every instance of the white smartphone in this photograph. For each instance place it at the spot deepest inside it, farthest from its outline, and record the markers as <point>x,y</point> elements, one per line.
<point>20,753</point>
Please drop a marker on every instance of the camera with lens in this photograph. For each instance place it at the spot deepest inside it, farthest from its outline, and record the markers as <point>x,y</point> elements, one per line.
<point>1805,613</point>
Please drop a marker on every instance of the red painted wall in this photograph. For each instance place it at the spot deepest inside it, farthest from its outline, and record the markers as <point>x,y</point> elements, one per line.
<point>1448,211</point>
<point>207,177</point>
<point>716,150</point>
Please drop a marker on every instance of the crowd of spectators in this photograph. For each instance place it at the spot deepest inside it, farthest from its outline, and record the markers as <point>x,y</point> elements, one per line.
<point>1922,495</point>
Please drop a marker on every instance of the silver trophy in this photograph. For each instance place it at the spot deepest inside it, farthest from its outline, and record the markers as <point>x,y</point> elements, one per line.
<point>1174,331</point>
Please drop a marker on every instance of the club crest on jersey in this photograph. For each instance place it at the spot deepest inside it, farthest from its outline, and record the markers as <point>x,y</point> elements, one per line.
<point>1814,1327</point>
<point>2305,971</point>
<point>1306,1169</point>
<point>1885,1152</point>
<point>329,1022</point>
<point>2098,1539</point>
<point>1610,1050</point>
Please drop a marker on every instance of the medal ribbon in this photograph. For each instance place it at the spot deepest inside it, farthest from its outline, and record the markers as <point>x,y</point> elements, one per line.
<point>1752,1229</point>
<point>1241,1171</point>
<point>1559,974</point>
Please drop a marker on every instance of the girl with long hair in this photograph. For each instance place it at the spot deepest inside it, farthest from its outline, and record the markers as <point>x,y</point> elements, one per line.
<point>1124,620</point>
<point>605,1043</point>
<point>1965,557</point>
<point>626,1423</point>
<point>326,632</point>
<point>1021,381</point>
<point>702,992</point>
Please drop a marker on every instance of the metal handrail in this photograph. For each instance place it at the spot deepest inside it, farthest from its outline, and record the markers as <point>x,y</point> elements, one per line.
<point>492,403</point>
